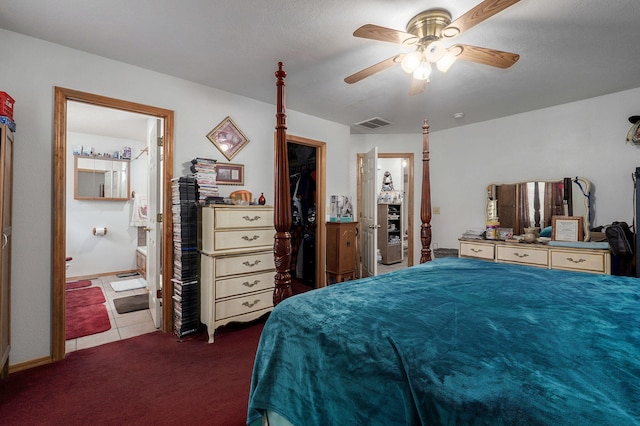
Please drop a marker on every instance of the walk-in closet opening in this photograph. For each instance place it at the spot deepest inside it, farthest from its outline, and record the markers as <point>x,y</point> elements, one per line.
<point>306,160</point>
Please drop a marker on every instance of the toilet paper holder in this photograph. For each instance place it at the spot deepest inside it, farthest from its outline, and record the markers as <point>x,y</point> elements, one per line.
<point>100,231</point>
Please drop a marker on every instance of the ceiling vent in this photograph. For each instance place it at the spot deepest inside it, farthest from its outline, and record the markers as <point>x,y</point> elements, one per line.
<point>374,123</point>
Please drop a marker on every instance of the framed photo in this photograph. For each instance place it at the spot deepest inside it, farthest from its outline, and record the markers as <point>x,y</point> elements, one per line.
<point>229,174</point>
<point>567,228</point>
<point>505,233</point>
<point>228,138</point>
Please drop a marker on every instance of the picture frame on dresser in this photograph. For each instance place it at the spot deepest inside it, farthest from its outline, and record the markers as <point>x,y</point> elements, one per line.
<point>567,228</point>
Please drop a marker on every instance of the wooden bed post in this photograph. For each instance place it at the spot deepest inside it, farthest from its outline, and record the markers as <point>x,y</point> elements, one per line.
<point>425,204</point>
<point>282,204</point>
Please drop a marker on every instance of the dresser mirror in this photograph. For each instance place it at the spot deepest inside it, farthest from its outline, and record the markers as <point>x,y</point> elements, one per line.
<point>101,179</point>
<point>532,204</point>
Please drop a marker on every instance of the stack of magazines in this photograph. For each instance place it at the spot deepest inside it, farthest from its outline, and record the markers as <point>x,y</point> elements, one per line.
<point>473,234</point>
<point>204,170</point>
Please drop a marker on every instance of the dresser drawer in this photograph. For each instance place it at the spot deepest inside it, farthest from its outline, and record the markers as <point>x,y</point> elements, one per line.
<point>248,263</point>
<point>523,254</point>
<point>478,250</point>
<point>243,239</point>
<point>242,305</point>
<point>580,261</point>
<point>245,284</point>
<point>239,217</point>
<point>229,228</point>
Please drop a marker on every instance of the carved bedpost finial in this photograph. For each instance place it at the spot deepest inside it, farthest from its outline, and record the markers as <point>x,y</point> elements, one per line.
<point>425,204</point>
<point>282,204</point>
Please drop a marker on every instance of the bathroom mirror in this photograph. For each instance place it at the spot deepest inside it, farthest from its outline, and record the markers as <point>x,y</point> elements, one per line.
<point>101,178</point>
<point>528,204</point>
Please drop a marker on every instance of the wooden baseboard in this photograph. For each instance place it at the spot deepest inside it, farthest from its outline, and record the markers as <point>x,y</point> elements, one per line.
<point>30,364</point>
<point>104,274</point>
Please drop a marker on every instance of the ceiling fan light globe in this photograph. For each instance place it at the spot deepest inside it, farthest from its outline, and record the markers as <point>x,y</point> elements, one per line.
<point>435,51</point>
<point>411,61</point>
<point>446,61</point>
<point>423,71</point>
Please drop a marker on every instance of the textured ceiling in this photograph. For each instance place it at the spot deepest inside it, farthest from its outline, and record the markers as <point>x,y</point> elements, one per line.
<point>570,50</point>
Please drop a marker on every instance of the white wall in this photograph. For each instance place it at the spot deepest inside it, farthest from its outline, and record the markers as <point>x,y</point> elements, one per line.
<point>585,138</point>
<point>30,69</point>
<point>114,252</point>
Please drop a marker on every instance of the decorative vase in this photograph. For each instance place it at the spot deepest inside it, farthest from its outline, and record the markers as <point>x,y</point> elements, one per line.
<point>531,234</point>
<point>262,200</point>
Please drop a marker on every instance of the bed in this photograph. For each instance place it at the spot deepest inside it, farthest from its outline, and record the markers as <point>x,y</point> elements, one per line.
<point>450,341</point>
<point>455,341</point>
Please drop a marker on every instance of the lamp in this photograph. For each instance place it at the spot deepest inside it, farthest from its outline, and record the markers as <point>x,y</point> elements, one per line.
<point>434,51</point>
<point>419,61</point>
<point>423,71</point>
<point>446,61</point>
<point>411,61</point>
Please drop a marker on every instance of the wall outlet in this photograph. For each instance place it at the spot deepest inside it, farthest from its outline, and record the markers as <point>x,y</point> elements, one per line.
<point>436,210</point>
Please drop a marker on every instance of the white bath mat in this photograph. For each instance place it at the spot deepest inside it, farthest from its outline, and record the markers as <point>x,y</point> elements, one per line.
<point>132,284</point>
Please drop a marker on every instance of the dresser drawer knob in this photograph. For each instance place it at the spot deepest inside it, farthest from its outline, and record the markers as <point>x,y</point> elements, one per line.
<point>246,238</point>
<point>251,265</point>
<point>251,305</point>
<point>251,219</point>
<point>570,259</point>
<point>520,255</point>
<point>475,250</point>
<point>248,284</point>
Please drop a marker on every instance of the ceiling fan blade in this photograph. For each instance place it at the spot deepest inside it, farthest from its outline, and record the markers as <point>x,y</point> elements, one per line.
<point>478,14</point>
<point>375,32</point>
<point>483,55</point>
<point>417,86</point>
<point>373,69</point>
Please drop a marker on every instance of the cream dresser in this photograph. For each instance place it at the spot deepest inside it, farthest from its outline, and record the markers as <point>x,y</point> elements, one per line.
<point>597,261</point>
<point>237,266</point>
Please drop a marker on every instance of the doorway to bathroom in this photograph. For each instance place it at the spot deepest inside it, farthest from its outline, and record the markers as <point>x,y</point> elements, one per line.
<point>101,230</point>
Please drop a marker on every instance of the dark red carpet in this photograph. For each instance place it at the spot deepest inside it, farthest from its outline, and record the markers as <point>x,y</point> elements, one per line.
<point>78,284</point>
<point>150,379</point>
<point>85,313</point>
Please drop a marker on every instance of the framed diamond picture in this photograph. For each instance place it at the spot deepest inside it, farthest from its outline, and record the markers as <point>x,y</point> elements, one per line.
<point>228,138</point>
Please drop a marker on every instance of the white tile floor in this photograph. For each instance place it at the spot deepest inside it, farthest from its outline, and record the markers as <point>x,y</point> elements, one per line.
<point>123,326</point>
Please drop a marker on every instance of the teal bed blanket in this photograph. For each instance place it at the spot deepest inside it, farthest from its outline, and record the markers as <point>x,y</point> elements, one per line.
<point>455,342</point>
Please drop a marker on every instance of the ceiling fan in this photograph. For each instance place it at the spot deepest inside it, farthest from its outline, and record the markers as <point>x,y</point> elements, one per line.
<point>426,31</point>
